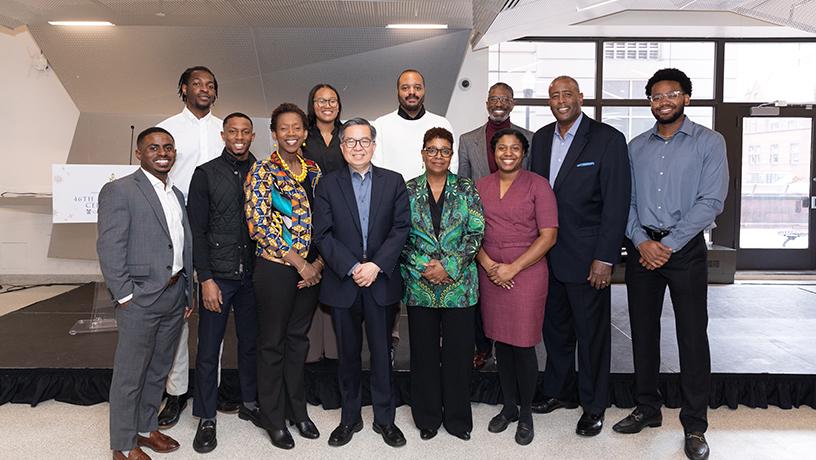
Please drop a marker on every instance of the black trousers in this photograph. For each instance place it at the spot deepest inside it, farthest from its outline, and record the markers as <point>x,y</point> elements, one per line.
<point>348,328</point>
<point>518,373</point>
<point>284,316</point>
<point>686,275</point>
<point>484,343</point>
<point>238,295</point>
<point>440,375</point>
<point>577,312</point>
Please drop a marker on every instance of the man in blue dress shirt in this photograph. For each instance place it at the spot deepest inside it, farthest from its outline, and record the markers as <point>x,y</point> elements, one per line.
<point>679,185</point>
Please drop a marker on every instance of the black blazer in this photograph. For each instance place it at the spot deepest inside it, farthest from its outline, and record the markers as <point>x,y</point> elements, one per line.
<point>340,241</point>
<point>593,190</point>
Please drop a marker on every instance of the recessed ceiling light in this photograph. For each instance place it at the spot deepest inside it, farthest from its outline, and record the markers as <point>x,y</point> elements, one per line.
<point>416,26</point>
<point>82,23</point>
<point>595,5</point>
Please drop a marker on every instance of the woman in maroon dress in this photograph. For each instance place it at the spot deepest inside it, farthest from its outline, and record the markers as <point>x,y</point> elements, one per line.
<point>520,227</point>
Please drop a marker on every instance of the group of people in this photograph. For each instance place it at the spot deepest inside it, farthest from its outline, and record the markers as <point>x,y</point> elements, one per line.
<point>506,240</point>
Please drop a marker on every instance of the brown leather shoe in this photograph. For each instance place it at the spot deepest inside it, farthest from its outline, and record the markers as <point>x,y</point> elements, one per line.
<point>135,454</point>
<point>158,442</point>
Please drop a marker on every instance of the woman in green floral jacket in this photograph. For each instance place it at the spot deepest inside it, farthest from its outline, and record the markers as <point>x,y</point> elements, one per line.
<point>441,287</point>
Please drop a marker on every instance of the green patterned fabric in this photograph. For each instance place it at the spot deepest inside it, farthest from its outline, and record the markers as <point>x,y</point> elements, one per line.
<point>460,237</point>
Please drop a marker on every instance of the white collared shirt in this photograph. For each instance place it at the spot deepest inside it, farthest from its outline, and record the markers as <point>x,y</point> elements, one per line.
<point>173,215</point>
<point>197,142</point>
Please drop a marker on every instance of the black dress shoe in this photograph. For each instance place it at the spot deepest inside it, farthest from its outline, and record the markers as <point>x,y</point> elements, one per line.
<point>228,407</point>
<point>638,420</point>
<point>464,436</point>
<point>281,438</point>
<point>589,424</point>
<point>250,415</point>
<point>696,447</point>
<point>205,438</point>
<point>551,404</point>
<point>391,434</point>
<point>426,434</point>
<point>499,423</point>
<point>343,433</point>
<point>169,416</point>
<point>524,433</point>
<point>306,428</point>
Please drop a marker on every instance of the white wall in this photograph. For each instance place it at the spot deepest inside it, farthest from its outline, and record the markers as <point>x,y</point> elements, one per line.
<point>37,124</point>
<point>466,109</point>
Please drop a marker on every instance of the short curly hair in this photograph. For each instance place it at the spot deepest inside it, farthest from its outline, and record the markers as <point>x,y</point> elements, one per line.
<point>437,133</point>
<point>286,107</point>
<point>669,75</point>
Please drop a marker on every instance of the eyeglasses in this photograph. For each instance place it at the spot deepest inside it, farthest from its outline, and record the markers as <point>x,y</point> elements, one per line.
<point>326,102</point>
<point>499,99</point>
<point>350,143</point>
<point>435,152</point>
<point>671,95</point>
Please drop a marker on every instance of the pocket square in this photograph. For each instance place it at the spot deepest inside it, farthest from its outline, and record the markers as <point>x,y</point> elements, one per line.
<point>584,165</point>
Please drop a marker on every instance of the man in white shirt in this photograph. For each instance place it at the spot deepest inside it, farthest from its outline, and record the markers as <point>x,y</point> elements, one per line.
<point>197,133</point>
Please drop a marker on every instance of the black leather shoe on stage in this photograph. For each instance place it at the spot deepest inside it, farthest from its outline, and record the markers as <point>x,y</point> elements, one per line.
<point>551,404</point>
<point>250,415</point>
<point>696,447</point>
<point>306,428</point>
<point>524,433</point>
<point>427,434</point>
<point>227,407</point>
<point>464,436</point>
<point>343,434</point>
<point>205,438</point>
<point>589,424</point>
<point>499,423</point>
<point>169,416</point>
<point>390,434</point>
<point>637,421</point>
<point>281,438</point>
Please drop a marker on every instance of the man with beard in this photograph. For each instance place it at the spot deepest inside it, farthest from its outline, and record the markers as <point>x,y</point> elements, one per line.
<point>587,164</point>
<point>198,140</point>
<point>680,181</point>
<point>223,256</point>
<point>476,160</point>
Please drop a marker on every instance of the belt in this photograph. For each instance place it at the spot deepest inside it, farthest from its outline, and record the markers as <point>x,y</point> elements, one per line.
<point>174,279</point>
<point>656,235</point>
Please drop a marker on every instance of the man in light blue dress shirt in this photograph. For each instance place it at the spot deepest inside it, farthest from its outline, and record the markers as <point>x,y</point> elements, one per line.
<point>679,185</point>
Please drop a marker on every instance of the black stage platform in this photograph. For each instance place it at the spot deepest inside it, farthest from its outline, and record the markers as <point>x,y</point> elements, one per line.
<point>762,349</point>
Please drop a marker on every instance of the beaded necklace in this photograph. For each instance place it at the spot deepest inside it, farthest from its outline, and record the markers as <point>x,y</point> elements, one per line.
<point>299,177</point>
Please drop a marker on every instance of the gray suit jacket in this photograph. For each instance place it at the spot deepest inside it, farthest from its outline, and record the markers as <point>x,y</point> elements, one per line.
<point>473,152</point>
<point>134,246</point>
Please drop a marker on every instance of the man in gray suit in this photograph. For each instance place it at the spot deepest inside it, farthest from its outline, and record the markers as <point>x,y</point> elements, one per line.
<point>476,160</point>
<point>145,253</point>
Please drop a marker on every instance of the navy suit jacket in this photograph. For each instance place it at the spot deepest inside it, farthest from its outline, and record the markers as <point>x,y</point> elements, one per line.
<point>593,189</point>
<point>339,238</point>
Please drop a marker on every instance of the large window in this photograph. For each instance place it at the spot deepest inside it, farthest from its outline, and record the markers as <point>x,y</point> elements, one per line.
<point>529,67</point>
<point>768,72</point>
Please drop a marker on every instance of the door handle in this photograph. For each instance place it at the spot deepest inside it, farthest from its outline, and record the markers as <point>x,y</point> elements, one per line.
<point>813,202</point>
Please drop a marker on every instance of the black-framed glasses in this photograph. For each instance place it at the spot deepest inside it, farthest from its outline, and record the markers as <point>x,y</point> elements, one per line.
<point>499,99</point>
<point>364,142</point>
<point>671,95</point>
<point>435,152</point>
<point>326,102</point>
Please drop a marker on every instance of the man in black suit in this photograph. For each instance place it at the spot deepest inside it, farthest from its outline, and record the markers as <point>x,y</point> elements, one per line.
<point>588,166</point>
<point>361,221</point>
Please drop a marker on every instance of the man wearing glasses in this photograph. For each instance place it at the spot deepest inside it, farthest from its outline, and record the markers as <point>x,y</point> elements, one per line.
<point>476,160</point>
<point>361,221</point>
<point>679,185</point>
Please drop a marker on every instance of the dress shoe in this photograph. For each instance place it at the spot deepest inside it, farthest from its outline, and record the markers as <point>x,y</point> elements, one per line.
<point>391,434</point>
<point>343,433</point>
<point>426,434</point>
<point>499,423</point>
<point>169,415</point>
<point>157,442</point>
<point>205,439</point>
<point>281,438</point>
<point>464,436</point>
<point>480,359</point>
<point>251,415</point>
<point>589,424</point>
<point>227,407</point>
<point>696,447</point>
<point>135,454</point>
<point>551,404</point>
<point>306,428</point>
<point>524,433</point>
<point>638,420</point>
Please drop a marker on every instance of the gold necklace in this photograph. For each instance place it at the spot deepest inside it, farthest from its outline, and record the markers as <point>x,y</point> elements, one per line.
<point>300,177</point>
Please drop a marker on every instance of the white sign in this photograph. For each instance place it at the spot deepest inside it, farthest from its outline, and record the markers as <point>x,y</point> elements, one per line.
<point>75,189</point>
